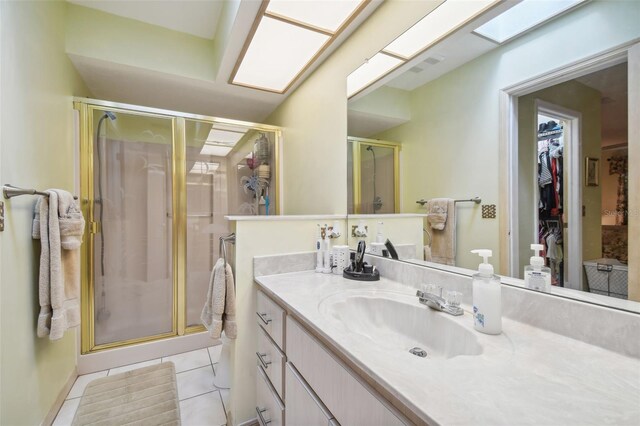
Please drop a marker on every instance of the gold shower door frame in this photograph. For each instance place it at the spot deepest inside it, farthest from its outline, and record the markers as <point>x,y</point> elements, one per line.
<point>357,175</point>
<point>86,107</point>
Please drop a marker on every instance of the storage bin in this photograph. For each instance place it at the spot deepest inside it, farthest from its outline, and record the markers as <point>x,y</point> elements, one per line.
<point>608,277</point>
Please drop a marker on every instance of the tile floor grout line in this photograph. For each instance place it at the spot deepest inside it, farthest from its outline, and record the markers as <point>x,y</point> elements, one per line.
<point>195,368</point>
<point>224,407</point>
<point>206,393</point>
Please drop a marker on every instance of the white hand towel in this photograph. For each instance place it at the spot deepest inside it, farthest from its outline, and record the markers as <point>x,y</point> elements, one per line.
<point>437,210</point>
<point>229,319</point>
<point>443,241</point>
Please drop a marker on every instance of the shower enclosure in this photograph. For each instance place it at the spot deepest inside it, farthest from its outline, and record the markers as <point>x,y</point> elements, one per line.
<point>373,181</point>
<point>155,187</point>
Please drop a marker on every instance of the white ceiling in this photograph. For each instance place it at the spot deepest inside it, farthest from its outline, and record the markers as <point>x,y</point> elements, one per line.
<point>195,17</point>
<point>140,86</point>
<point>612,84</point>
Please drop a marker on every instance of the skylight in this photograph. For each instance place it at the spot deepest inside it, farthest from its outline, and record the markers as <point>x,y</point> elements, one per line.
<point>522,17</point>
<point>445,18</point>
<point>289,36</point>
<point>370,71</point>
<point>216,150</point>
<point>204,168</point>
<point>323,14</point>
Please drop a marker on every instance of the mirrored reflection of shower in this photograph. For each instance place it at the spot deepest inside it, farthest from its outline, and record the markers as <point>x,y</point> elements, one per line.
<point>372,176</point>
<point>377,201</point>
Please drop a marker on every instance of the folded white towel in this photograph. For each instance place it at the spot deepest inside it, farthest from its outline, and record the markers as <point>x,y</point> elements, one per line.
<point>59,225</point>
<point>220,306</point>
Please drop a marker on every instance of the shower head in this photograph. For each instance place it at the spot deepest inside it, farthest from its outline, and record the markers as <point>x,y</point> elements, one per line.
<point>370,148</point>
<point>111,115</point>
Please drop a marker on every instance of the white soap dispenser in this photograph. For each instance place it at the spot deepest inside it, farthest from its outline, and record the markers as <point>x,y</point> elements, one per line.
<point>487,297</point>
<point>536,275</point>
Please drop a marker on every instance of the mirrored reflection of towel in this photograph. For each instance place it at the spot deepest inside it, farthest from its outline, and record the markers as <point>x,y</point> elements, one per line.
<point>437,210</point>
<point>443,240</point>
<point>220,306</point>
<point>59,225</point>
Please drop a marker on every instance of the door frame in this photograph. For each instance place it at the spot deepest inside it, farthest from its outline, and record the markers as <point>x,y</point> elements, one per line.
<point>508,142</point>
<point>573,197</point>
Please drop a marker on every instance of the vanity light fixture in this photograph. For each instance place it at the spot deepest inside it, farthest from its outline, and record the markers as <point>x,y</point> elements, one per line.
<point>440,22</point>
<point>287,37</point>
<point>522,17</point>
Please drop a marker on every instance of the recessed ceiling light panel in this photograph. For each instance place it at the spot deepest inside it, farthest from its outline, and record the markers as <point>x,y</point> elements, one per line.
<point>276,54</point>
<point>441,21</point>
<point>522,17</point>
<point>327,15</point>
<point>373,69</point>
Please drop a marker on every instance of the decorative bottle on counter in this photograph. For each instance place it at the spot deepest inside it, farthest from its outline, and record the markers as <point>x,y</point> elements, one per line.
<point>487,297</point>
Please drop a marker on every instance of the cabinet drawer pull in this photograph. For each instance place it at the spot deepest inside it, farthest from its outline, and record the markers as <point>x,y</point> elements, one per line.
<point>262,420</point>
<point>264,363</point>
<point>263,317</point>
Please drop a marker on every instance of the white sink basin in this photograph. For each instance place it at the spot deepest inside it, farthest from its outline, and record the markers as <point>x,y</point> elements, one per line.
<point>397,321</point>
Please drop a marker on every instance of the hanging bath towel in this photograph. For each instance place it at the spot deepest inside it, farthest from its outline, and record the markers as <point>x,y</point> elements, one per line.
<point>59,225</point>
<point>219,312</point>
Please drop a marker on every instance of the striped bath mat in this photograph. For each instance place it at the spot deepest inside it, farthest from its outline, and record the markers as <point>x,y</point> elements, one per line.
<point>146,396</point>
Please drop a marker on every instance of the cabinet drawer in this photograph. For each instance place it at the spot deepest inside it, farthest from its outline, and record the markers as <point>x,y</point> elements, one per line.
<point>271,360</point>
<point>269,408</point>
<point>351,401</point>
<point>303,406</point>
<point>271,318</point>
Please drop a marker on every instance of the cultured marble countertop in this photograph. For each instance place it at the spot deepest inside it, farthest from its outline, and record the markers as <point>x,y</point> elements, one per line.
<point>523,376</point>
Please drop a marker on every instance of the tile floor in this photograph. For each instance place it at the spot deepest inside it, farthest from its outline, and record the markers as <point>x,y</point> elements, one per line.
<point>201,402</point>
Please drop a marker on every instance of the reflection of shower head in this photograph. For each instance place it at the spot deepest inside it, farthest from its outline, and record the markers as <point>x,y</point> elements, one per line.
<point>111,115</point>
<point>370,148</point>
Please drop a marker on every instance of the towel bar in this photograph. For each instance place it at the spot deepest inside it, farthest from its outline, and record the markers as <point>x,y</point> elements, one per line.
<point>476,200</point>
<point>10,191</point>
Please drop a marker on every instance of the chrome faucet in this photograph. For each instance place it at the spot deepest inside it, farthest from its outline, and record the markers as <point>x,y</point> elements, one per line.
<point>451,305</point>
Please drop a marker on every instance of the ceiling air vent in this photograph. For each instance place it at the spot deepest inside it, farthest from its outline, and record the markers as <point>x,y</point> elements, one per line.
<point>416,70</point>
<point>432,60</point>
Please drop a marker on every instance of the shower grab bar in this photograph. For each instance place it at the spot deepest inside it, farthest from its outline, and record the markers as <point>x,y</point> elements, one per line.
<point>10,191</point>
<point>476,200</point>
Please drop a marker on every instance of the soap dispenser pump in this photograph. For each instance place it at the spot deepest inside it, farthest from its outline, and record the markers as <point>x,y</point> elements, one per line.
<point>537,276</point>
<point>487,296</point>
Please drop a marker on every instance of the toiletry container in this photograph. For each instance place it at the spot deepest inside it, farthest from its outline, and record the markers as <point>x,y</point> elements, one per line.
<point>340,259</point>
<point>536,275</point>
<point>319,254</point>
<point>487,297</point>
<point>380,236</point>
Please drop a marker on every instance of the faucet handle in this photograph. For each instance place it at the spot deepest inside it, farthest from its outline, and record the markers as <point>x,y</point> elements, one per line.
<point>432,289</point>
<point>453,298</point>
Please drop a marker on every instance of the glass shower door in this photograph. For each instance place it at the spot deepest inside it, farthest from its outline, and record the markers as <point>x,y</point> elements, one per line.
<point>133,291</point>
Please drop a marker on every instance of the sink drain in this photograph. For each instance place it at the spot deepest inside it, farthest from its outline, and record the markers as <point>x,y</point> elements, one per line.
<point>418,352</point>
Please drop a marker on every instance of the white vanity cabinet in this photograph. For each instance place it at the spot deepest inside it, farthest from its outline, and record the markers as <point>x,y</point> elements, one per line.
<point>303,406</point>
<point>317,388</point>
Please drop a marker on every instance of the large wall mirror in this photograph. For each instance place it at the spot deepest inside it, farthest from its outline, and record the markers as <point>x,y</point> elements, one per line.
<point>511,127</point>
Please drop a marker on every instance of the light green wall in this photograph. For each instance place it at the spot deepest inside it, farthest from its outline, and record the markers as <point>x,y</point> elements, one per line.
<point>37,151</point>
<point>100,35</point>
<point>585,100</point>
<point>315,115</point>
<point>450,148</point>
<point>385,101</point>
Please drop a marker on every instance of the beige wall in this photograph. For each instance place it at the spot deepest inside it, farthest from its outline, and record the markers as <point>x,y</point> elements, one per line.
<point>37,151</point>
<point>315,115</point>
<point>586,101</point>
<point>450,147</point>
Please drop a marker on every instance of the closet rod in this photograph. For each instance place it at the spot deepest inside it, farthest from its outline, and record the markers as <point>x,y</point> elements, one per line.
<point>10,191</point>
<point>476,200</point>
